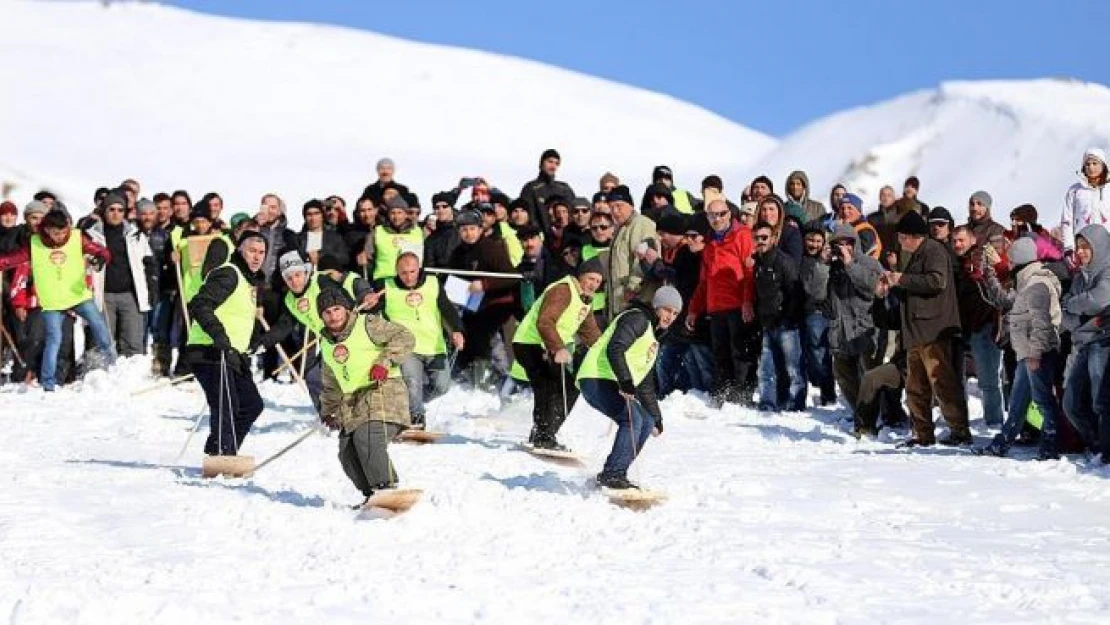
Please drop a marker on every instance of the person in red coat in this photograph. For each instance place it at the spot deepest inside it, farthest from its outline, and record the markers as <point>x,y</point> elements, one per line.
<point>726,293</point>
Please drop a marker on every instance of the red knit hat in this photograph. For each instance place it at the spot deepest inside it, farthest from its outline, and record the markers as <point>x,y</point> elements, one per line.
<point>8,208</point>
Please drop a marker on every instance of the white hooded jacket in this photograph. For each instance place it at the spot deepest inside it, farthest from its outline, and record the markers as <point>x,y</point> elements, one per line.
<point>1085,205</point>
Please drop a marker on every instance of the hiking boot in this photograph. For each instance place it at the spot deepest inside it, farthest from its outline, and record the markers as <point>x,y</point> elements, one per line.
<point>861,433</point>
<point>957,439</point>
<point>615,482</point>
<point>1048,454</point>
<point>418,422</point>
<point>910,443</point>
<point>550,444</point>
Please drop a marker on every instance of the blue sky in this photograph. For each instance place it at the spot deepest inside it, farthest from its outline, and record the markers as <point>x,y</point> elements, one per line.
<point>772,66</point>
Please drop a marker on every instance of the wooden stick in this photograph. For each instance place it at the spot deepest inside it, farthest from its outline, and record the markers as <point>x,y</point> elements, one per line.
<point>15,349</point>
<point>181,293</point>
<point>163,384</point>
<point>299,354</point>
<point>281,452</point>
<point>285,357</point>
<point>304,348</point>
<point>474,274</point>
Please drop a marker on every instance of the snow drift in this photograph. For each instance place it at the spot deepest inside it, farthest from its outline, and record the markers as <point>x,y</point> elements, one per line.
<point>1022,141</point>
<point>184,100</point>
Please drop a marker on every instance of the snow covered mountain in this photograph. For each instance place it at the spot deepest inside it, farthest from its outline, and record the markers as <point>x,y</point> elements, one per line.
<point>185,100</point>
<point>1022,141</point>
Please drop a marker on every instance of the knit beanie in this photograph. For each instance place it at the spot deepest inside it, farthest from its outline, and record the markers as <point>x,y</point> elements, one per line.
<point>9,208</point>
<point>331,296</point>
<point>291,262</point>
<point>34,207</point>
<point>591,266</point>
<point>550,153</point>
<point>912,223</point>
<point>667,297</point>
<point>672,223</point>
<point>983,197</point>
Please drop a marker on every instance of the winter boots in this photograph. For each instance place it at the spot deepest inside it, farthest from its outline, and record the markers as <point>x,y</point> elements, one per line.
<point>160,364</point>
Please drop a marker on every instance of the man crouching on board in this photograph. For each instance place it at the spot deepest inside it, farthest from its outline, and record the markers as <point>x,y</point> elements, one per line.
<point>363,394</point>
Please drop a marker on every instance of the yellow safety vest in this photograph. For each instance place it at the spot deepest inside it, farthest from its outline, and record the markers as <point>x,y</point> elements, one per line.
<point>418,310</point>
<point>566,326</point>
<point>640,356</point>
<point>516,250</point>
<point>591,251</point>
<point>388,246</point>
<point>351,359</point>
<point>682,201</point>
<point>59,273</point>
<point>236,315</point>
<point>303,307</point>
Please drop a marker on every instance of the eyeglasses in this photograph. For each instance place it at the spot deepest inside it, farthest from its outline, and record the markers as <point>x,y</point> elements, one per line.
<point>581,211</point>
<point>717,214</point>
<point>600,227</point>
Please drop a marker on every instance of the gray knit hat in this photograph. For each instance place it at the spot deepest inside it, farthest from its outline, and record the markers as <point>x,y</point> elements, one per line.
<point>35,207</point>
<point>1023,251</point>
<point>145,205</point>
<point>385,162</point>
<point>667,297</point>
<point>983,197</point>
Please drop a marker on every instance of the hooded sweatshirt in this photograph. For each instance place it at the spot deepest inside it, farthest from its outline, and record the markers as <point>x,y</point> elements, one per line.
<point>851,294</point>
<point>804,209</point>
<point>1089,296</point>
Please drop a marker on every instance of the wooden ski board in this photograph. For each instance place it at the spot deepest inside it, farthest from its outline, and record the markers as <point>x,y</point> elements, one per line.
<point>566,458</point>
<point>635,498</point>
<point>393,501</point>
<point>419,437</point>
<point>230,466</point>
<point>198,248</point>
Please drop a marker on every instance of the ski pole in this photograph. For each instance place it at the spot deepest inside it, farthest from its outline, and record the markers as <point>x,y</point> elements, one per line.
<point>189,439</point>
<point>281,452</point>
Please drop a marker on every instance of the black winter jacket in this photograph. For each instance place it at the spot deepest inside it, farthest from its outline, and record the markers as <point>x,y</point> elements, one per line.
<point>778,291</point>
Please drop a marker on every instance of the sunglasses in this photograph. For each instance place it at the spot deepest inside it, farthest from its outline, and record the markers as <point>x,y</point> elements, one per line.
<point>581,211</point>
<point>717,214</point>
<point>600,227</point>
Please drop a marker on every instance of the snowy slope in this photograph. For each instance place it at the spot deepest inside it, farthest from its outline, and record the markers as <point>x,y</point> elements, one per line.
<point>780,519</point>
<point>185,100</point>
<point>1022,141</point>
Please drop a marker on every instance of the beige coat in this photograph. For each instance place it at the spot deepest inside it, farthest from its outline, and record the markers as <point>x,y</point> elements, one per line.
<point>626,278</point>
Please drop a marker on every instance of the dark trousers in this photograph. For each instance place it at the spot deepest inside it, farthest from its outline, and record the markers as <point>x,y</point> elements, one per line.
<point>735,356</point>
<point>553,392</point>
<point>874,384</point>
<point>480,328</point>
<point>634,424</point>
<point>233,404</point>
<point>364,455</point>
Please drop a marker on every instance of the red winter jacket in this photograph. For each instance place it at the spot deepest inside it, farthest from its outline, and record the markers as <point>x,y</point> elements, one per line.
<point>21,291</point>
<point>727,282</point>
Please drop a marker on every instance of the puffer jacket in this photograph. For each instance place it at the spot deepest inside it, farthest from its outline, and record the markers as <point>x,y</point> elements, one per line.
<point>1034,320</point>
<point>1089,295</point>
<point>1084,205</point>
<point>851,296</point>
<point>387,401</point>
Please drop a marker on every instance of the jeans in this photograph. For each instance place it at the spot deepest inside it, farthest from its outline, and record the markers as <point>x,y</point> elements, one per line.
<point>683,366</point>
<point>1085,377</point>
<point>160,319</point>
<point>426,378</point>
<point>52,321</point>
<point>988,359</point>
<point>818,358</point>
<point>782,349</point>
<point>1035,386</point>
<point>634,424</point>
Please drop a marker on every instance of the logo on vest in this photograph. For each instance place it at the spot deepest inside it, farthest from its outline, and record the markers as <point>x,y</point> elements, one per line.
<point>302,305</point>
<point>652,350</point>
<point>58,257</point>
<point>414,299</point>
<point>340,353</point>
<point>582,312</point>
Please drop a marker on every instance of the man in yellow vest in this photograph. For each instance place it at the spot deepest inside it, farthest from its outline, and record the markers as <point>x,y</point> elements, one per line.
<point>304,285</point>
<point>364,396</point>
<point>418,302</point>
<point>616,379</point>
<point>563,311</point>
<point>398,234</point>
<point>223,314</point>
<point>58,267</point>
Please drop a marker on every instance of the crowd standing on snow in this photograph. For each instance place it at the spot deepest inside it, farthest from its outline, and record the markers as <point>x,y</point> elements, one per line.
<point>749,302</point>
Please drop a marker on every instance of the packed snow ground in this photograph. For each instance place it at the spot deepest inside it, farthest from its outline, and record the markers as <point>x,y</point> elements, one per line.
<point>772,519</point>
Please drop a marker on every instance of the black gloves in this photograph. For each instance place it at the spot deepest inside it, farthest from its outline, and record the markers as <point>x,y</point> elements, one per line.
<point>659,425</point>
<point>626,387</point>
